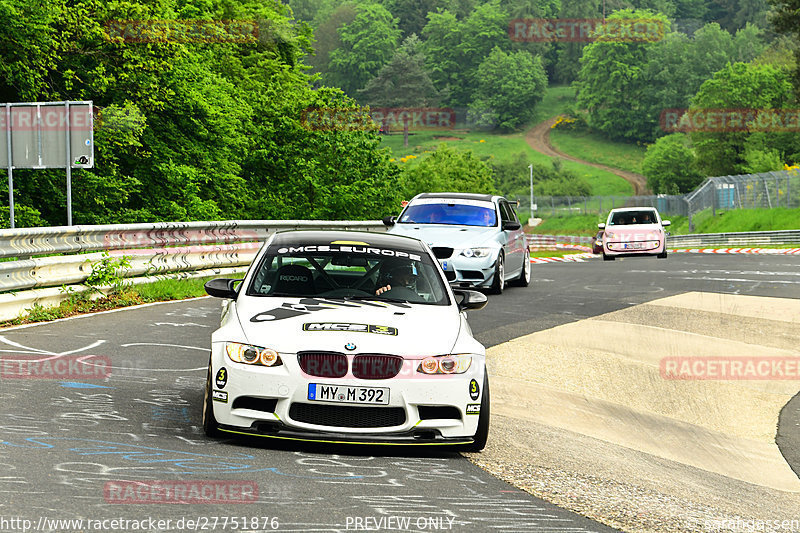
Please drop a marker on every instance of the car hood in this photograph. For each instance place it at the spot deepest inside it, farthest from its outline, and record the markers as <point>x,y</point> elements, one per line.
<point>290,325</point>
<point>636,232</point>
<point>445,235</point>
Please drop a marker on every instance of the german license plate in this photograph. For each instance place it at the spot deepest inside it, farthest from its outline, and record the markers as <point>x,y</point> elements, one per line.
<point>633,246</point>
<point>345,394</point>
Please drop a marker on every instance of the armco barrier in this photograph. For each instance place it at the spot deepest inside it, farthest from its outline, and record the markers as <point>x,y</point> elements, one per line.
<point>167,248</point>
<point>750,238</point>
<point>26,242</point>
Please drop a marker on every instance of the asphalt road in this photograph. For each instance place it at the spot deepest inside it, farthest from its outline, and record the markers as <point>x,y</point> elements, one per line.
<point>66,446</point>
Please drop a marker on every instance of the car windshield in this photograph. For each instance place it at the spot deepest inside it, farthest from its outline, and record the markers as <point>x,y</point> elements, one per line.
<point>623,218</point>
<point>359,272</point>
<point>463,214</point>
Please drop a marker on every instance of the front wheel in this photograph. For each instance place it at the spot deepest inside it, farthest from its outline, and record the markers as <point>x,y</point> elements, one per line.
<point>607,257</point>
<point>210,424</point>
<point>663,255</point>
<point>525,276</point>
<point>482,433</point>
<point>499,281</point>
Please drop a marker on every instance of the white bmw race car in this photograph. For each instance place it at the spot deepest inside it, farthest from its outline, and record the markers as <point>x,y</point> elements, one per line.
<point>346,336</point>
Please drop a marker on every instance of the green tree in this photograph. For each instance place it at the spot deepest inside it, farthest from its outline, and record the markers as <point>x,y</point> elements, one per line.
<point>447,169</point>
<point>403,81</point>
<point>326,36</point>
<point>613,84</point>
<point>455,49</point>
<point>512,178</point>
<point>738,86</point>
<point>786,19</point>
<point>508,89</point>
<point>367,44</point>
<point>412,14</point>
<point>569,53</point>
<point>201,129</point>
<point>669,165</point>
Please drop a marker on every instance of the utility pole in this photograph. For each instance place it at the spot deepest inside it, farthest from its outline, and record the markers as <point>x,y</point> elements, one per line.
<point>531,168</point>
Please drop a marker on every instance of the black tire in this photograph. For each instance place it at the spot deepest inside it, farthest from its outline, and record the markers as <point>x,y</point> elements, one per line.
<point>482,433</point>
<point>607,257</point>
<point>210,424</point>
<point>663,255</point>
<point>499,281</point>
<point>524,278</point>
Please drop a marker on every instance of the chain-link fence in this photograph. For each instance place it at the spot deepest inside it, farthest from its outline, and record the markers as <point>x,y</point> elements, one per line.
<point>562,206</point>
<point>748,191</point>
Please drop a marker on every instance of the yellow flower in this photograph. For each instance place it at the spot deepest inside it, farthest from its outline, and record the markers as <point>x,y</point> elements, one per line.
<point>481,141</point>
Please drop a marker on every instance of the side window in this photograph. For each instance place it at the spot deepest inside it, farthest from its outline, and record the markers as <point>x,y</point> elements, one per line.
<point>504,212</point>
<point>512,213</point>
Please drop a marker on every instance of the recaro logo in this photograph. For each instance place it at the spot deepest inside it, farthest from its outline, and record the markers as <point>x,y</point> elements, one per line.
<point>294,278</point>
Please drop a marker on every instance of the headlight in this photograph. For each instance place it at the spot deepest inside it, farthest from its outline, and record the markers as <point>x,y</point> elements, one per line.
<point>476,252</point>
<point>252,355</point>
<point>445,364</point>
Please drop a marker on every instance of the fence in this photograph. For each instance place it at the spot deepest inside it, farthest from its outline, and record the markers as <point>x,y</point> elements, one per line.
<point>747,191</point>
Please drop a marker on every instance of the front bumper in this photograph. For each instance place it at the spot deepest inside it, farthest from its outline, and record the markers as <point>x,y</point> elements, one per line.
<point>474,271</point>
<point>273,402</point>
<point>278,430</point>
<point>633,248</point>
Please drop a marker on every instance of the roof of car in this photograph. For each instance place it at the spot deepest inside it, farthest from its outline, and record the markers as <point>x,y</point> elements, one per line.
<point>457,196</point>
<point>324,237</point>
<point>623,209</point>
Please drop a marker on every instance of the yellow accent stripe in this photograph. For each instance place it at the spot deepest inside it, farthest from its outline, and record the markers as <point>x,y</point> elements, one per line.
<point>348,441</point>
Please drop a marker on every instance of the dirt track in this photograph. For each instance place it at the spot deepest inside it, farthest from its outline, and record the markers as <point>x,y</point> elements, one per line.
<point>538,138</point>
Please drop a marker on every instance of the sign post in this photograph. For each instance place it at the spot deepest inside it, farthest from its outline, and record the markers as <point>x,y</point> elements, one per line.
<point>40,135</point>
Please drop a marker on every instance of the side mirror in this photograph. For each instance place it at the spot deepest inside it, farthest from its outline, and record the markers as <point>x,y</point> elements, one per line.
<point>601,226</point>
<point>388,221</point>
<point>511,226</point>
<point>470,299</point>
<point>665,223</point>
<point>222,288</point>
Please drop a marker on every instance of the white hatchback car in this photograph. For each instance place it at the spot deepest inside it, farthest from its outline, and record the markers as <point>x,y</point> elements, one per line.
<point>633,231</point>
<point>347,337</point>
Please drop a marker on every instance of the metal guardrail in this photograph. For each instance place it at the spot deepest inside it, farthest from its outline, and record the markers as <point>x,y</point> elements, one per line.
<point>750,238</point>
<point>27,242</point>
<point>160,248</point>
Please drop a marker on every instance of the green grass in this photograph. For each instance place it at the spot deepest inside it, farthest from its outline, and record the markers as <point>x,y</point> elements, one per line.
<point>504,147</point>
<point>597,149</point>
<point>555,102</point>
<point>779,218</point>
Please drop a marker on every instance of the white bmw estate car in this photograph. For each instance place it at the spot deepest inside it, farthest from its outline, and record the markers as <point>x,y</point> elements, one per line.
<point>347,337</point>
